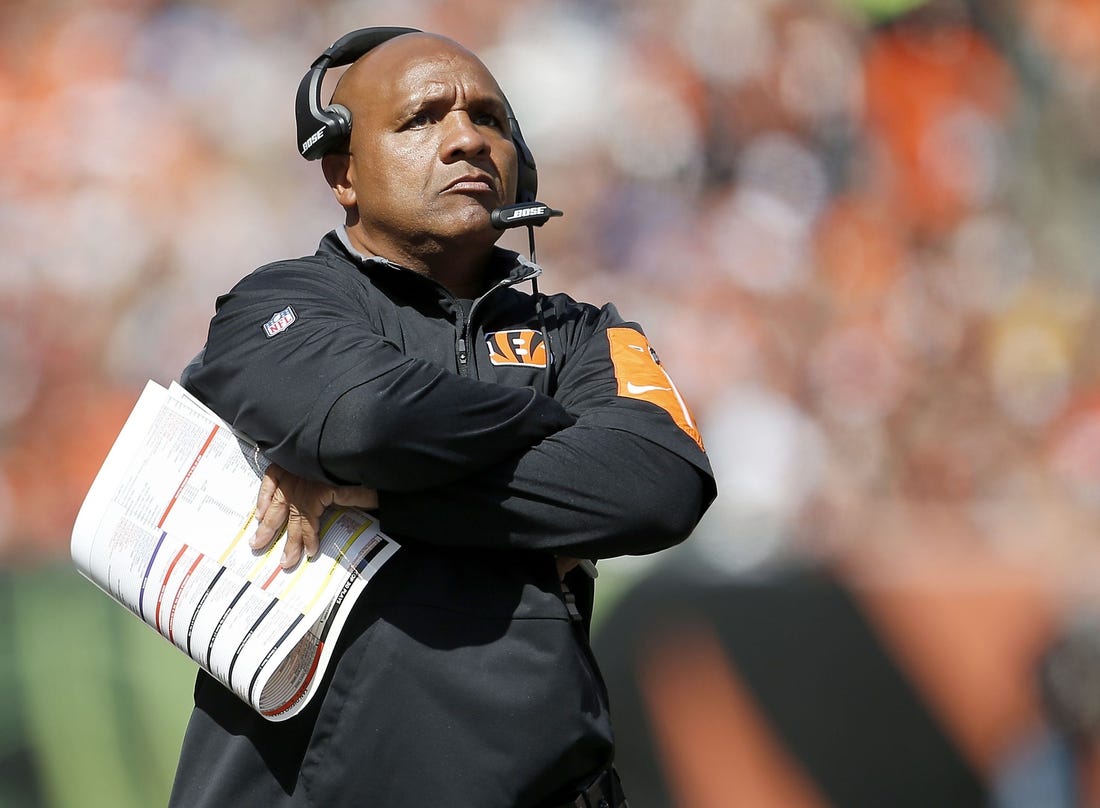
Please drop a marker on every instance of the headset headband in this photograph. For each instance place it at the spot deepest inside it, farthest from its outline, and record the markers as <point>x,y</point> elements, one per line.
<point>321,129</point>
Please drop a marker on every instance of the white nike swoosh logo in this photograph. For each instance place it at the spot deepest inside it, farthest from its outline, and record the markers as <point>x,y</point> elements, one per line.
<point>638,348</point>
<point>637,389</point>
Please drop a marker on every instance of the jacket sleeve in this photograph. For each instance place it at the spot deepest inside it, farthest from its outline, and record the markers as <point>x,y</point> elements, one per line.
<point>630,476</point>
<point>417,424</point>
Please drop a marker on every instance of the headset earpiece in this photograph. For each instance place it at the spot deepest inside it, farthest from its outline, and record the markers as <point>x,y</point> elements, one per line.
<point>528,184</point>
<point>341,121</point>
<point>322,129</point>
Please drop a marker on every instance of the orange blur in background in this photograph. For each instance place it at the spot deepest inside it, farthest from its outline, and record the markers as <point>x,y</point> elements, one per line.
<point>863,242</point>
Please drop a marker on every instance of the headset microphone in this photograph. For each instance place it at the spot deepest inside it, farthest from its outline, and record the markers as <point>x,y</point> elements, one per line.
<point>530,215</point>
<point>525,213</point>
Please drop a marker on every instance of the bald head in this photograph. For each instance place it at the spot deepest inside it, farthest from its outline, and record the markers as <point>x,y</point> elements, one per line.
<point>382,62</point>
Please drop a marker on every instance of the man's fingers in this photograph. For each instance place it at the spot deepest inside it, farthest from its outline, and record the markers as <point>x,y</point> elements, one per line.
<point>303,534</point>
<point>292,550</point>
<point>268,485</point>
<point>272,521</point>
<point>311,530</point>
<point>298,504</point>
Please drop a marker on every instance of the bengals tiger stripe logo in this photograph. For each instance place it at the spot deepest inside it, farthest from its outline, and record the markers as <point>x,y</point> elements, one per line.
<point>520,346</point>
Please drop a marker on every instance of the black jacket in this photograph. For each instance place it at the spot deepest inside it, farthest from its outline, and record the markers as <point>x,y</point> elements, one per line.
<point>462,680</point>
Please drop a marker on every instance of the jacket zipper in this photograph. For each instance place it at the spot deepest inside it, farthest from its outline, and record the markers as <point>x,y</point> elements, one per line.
<point>462,352</point>
<point>462,326</point>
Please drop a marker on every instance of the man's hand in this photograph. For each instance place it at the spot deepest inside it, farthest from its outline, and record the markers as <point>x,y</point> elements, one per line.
<point>565,564</point>
<point>286,499</point>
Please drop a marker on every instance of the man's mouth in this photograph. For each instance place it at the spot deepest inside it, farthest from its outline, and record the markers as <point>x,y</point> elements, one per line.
<point>471,184</point>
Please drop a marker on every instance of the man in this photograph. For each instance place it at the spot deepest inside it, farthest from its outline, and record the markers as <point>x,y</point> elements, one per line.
<point>413,378</point>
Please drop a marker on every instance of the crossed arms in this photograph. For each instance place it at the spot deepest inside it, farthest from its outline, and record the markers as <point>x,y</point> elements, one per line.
<point>582,474</point>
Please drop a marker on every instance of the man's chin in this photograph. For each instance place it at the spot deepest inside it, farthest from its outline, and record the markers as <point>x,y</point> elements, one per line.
<point>471,220</point>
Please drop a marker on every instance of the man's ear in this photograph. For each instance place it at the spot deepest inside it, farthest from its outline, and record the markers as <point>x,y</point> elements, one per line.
<point>337,169</point>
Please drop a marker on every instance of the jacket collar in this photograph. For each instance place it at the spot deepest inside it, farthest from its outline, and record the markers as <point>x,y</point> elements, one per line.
<point>506,267</point>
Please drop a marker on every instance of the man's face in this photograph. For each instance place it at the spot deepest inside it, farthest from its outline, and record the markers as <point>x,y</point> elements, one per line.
<point>431,152</point>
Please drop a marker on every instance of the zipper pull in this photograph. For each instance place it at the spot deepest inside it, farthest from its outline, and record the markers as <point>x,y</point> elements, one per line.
<point>462,350</point>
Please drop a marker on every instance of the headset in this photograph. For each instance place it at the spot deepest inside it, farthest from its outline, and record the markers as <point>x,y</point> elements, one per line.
<point>324,129</point>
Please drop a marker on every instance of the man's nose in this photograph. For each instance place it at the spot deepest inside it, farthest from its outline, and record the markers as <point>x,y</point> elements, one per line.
<point>462,138</point>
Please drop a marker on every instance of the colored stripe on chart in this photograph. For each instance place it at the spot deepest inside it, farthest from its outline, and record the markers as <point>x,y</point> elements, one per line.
<point>145,577</point>
<point>179,592</point>
<point>236,539</point>
<point>221,621</point>
<point>164,583</point>
<point>198,607</point>
<point>187,476</point>
<point>246,637</point>
<point>282,708</point>
<point>270,652</point>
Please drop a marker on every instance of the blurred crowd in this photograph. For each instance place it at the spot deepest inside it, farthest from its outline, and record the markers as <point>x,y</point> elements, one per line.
<point>865,247</point>
<point>862,235</point>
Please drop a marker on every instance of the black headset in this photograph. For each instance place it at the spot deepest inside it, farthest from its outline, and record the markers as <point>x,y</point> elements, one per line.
<point>322,129</point>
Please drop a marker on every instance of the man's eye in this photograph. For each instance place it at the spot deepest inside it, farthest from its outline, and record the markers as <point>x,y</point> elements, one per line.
<point>488,119</point>
<point>419,120</point>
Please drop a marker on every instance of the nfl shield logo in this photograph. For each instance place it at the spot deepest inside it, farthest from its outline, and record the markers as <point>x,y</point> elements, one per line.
<point>280,321</point>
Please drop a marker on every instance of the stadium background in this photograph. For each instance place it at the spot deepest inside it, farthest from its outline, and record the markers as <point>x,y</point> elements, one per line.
<point>863,236</point>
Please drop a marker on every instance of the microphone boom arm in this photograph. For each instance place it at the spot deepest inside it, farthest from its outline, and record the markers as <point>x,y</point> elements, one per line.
<point>533,214</point>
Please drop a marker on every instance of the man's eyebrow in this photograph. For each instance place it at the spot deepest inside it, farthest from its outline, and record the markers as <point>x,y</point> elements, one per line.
<point>437,92</point>
<point>425,94</point>
<point>493,101</point>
